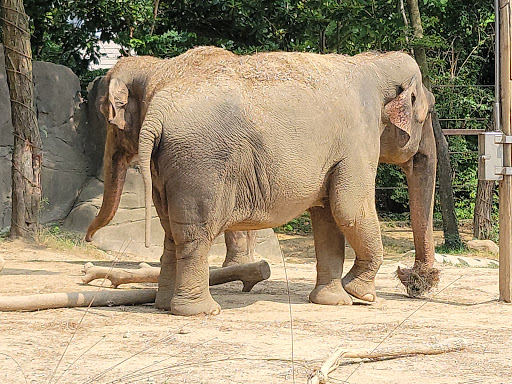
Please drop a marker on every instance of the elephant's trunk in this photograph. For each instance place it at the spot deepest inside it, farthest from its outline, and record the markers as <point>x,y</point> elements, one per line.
<point>115,165</point>
<point>149,134</point>
<point>421,177</point>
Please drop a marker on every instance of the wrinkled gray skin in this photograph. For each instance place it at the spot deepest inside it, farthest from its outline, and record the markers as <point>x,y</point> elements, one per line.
<point>242,143</point>
<point>143,76</point>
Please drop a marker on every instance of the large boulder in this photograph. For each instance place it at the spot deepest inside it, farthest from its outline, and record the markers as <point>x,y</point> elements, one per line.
<point>95,125</point>
<point>70,151</point>
<point>65,166</point>
<point>487,246</point>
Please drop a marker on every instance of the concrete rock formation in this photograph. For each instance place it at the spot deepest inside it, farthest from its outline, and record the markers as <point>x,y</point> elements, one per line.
<point>488,246</point>
<point>62,123</point>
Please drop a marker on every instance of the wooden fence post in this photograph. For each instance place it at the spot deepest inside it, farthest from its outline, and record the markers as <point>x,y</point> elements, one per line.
<point>505,184</point>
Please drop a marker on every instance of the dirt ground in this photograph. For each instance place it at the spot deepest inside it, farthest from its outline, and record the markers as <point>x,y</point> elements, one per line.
<point>250,341</point>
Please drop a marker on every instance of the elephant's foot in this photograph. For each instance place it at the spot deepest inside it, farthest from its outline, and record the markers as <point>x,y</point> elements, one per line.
<point>163,299</point>
<point>238,258</point>
<point>188,307</point>
<point>359,286</point>
<point>330,294</point>
<point>418,280</point>
<point>164,293</point>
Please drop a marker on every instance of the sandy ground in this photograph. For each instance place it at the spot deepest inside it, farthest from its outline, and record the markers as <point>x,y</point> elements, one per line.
<point>250,341</point>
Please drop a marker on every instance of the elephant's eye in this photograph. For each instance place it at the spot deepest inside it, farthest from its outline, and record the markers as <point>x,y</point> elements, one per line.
<point>413,99</point>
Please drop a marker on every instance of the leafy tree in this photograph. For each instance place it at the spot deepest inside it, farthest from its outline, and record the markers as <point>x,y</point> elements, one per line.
<point>458,39</point>
<point>68,32</point>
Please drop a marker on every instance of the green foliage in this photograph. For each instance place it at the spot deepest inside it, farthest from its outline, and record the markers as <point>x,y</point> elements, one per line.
<point>391,194</point>
<point>87,77</point>
<point>449,250</point>
<point>298,226</point>
<point>68,32</point>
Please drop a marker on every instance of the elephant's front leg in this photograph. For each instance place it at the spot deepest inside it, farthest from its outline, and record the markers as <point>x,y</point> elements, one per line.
<point>330,255</point>
<point>240,247</point>
<point>352,198</point>
<point>191,291</point>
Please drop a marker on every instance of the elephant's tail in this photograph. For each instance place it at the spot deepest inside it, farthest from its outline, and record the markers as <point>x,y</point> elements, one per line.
<point>150,134</point>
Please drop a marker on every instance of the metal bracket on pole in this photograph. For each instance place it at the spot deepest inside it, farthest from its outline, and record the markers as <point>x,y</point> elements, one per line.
<point>504,171</point>
<point>503,139</point>
<point>490,161</point>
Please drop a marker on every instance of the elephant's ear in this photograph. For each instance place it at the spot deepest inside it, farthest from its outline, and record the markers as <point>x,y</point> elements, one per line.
<point>118,98</point>
<point>399,112</point>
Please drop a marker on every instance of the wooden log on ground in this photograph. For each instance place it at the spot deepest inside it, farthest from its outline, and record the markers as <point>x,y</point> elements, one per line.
<point>117,276</point>
<point>250,274</point>
<point>320,376</point>
<point>106,298</point>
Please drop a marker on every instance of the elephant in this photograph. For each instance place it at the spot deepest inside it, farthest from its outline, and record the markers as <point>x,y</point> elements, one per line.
<point>143,75</point>
<point>239,143</point>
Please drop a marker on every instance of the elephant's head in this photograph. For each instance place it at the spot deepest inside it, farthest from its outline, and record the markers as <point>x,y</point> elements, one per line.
<point>121,105</point>
<point>405,117</point>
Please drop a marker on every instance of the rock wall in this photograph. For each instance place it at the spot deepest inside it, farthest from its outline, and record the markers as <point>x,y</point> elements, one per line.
<point>69,156</point>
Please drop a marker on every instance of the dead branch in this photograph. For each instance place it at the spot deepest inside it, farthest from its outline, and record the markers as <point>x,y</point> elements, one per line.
<point>117,276</point>
<point>250,274</point>
<point>321,376</point>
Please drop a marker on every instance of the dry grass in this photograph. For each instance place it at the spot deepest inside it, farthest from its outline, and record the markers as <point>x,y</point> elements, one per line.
<point>59,239</point>
<point>418,281</point>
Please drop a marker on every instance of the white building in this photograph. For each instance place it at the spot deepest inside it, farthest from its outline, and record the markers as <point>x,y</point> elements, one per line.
<point>109,55</point>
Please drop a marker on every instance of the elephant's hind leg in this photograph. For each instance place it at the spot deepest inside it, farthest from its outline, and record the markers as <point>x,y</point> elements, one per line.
<point>353,207</point>
<point>167,276</point>
<point>330,255</point>
<point>240,247</point>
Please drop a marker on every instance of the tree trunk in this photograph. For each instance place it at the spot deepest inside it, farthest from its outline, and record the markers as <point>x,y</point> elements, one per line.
<point>446,199</point>
<point>27,153</point>
<point>322,44</point>
<point>450,224</point>
<point>482,224</point>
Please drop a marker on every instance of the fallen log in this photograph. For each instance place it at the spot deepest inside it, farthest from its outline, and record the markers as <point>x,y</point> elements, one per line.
<point>320,376</point>
<point>76,299</point>
<point>250,274</point>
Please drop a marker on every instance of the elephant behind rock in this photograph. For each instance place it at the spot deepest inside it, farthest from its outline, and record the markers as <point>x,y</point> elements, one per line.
<point>130,86</point>
<point>248,142</point>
